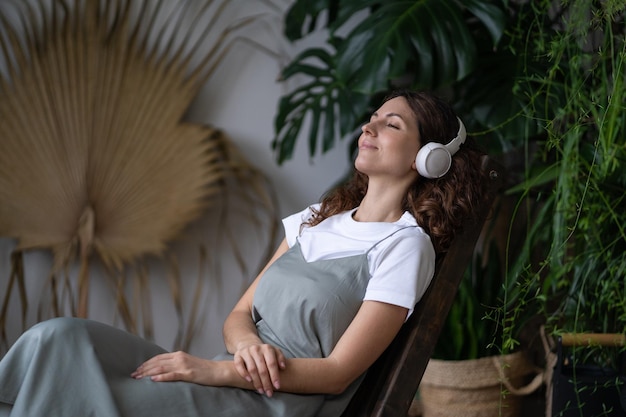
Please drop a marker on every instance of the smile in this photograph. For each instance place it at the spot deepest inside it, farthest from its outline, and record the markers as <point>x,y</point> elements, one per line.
<point>367,145</point>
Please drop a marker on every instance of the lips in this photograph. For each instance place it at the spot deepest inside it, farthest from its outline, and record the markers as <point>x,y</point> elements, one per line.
<point>366,144</point>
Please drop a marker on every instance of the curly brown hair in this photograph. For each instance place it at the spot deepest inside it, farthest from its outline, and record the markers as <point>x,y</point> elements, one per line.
<point>439,205</point>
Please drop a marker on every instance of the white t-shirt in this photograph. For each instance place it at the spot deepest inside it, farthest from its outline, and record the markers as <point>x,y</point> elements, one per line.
<point>401,264</point>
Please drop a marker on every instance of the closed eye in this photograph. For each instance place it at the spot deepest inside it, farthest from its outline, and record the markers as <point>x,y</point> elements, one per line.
<point>391,125</point>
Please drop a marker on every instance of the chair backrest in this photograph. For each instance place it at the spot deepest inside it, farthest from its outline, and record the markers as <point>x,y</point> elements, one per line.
<point>391,383</point>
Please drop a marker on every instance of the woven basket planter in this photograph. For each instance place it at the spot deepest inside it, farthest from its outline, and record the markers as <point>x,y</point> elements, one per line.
<point>479,387</point>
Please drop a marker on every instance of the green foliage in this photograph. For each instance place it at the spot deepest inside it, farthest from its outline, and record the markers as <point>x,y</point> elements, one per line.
<point>412,43</point>
<point>542,78</point>
<point>581,103</point>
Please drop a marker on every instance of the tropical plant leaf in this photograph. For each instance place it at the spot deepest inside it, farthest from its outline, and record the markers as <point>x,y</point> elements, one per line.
<point>425,43</point>
<point>302,17</point>
<point>380,47</point>
<point>312,99</point>
<point>493,17</point>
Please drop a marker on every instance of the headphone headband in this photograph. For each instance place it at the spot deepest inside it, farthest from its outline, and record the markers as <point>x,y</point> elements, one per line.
<point>454,145</point>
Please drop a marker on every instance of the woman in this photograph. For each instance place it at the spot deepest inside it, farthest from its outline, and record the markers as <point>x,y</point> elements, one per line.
<point>331,299</point>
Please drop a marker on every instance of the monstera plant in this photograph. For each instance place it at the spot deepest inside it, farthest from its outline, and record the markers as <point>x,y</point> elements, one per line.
<point>372,47</point>
<point>97,164</point>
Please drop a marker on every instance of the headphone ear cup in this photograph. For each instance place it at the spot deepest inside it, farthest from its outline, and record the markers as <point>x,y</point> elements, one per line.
<point>433,160</point>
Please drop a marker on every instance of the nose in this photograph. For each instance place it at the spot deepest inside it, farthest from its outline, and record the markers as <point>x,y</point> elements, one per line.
<point>368,128</point>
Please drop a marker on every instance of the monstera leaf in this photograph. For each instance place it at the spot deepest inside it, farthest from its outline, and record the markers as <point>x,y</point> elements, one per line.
<point>418,43</point>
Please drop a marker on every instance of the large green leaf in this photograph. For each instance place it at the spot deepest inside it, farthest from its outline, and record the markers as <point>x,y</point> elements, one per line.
<point>490,15</point>
<point>302,17</point>
<point>385,44</point>
<point>319,99</point>
<point>425,43</point>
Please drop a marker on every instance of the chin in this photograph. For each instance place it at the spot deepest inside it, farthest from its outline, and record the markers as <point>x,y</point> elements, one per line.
<point>359,166</point>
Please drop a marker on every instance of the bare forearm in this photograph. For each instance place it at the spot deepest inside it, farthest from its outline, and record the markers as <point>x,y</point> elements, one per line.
<point>300,376</point>
<point>306,376</point>
<point>314,376</point>
<point>265,369</point>
<point>239,330</point>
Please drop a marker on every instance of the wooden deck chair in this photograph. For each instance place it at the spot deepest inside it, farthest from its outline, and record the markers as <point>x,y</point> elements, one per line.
<point>391,383</point>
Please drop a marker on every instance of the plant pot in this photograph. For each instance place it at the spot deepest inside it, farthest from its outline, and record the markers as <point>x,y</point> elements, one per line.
<point>585,389</point>
<point>590,390</point>
<point>479,387</point>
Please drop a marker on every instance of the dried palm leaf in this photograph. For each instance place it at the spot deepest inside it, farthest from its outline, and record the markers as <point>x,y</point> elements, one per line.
<point>96,161</point>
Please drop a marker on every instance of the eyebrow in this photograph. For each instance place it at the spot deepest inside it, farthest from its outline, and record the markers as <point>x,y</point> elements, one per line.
<point>388,115</point>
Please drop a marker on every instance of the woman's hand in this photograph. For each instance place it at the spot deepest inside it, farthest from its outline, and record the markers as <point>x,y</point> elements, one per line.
<point>260,364</point>
<point>178,366</point>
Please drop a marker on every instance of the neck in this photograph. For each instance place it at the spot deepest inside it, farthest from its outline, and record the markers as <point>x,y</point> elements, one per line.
<point>381,204</point>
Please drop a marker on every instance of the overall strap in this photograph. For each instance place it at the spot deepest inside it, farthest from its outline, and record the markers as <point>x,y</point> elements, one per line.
<point>387,237</point>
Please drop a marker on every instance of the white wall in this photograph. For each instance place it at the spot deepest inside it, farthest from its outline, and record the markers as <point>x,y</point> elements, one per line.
<point>241,98</point>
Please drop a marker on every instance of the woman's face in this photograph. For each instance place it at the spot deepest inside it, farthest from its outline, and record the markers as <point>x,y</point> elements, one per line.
<point>389,141</point>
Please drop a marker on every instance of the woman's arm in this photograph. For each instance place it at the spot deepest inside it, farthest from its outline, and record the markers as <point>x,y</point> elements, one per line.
<point>257,364</point>
<point>369,334</point>
<point>239,329</point>
<point>255,361</point>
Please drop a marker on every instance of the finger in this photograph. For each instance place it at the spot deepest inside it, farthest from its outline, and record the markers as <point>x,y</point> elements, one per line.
<point>260,363</point>
<point>282,364</point>
<point>240,367</point>
<point>148,372</point>
<point>255,364</point>
<point>263,372</point>
<point>252,369</point>
<point>150,363</point>
<point>167,377</point>
<point>282,361</point>
<point>153,366</point>
<point>272,363</point>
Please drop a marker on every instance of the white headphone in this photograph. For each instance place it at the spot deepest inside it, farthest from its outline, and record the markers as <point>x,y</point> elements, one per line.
<point>433,160</point>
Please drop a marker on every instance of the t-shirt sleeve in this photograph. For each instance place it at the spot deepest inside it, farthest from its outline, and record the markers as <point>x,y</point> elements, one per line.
<point>293,223</point>
<point>404,270</point>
